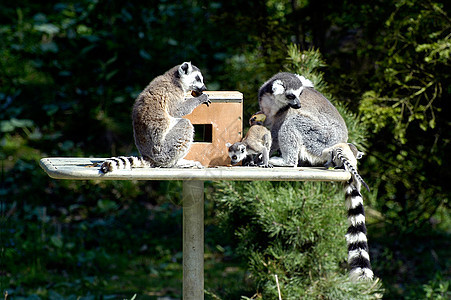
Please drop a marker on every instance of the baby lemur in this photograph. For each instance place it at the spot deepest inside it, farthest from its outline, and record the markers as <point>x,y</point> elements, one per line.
<point>162,136</point>
<point>254,148</point>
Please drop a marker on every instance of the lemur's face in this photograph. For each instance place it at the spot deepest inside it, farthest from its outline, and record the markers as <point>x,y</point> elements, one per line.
<point>237,152</point>
<point>197,82</point>
<point>287,95</point>
<point>191,78</point>
<point>285,91</point>
<point>257,119</point>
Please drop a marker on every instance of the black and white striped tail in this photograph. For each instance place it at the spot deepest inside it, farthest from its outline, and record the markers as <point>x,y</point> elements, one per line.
<point>123,162</point>
<point>349,167</point>
<point>358,256</point>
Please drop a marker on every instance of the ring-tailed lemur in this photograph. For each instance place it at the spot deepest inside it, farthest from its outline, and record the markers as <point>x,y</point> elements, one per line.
<point>302,121</point>
<point>256,142</point>
<point>162,136</point>
<point>303,124</point>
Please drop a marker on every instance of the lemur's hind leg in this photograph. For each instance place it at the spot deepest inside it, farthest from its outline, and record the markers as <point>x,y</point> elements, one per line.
<point>290,141</point>
<point>301,139</point>
<point>177,142</point>
<point>290,152</point>
<point>329,157</point>
<point>265,159</point>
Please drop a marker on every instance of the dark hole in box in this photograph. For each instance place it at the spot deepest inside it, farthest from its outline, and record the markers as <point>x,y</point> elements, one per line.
<point>203,133</point>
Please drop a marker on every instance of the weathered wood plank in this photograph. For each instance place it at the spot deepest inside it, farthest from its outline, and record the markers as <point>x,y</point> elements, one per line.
<point>222,96</point>
<point>88,168</point>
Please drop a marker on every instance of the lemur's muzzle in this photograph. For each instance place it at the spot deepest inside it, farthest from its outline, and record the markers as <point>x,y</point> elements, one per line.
<point>296,104</point>
<point>200,89</point>
<point>294,101</point>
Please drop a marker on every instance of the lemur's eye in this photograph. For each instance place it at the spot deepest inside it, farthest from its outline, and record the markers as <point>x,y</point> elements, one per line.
<point>290,97</point>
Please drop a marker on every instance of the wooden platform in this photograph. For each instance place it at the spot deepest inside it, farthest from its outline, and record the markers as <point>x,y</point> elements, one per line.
<point>88,168</point>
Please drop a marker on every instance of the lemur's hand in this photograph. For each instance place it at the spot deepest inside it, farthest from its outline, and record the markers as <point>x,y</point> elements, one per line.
<point>204,99</point>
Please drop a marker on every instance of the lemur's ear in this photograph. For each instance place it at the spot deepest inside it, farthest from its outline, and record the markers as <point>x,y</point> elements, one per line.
<point>277,87</point>
<point>360,154</point>
<point>228,145</point>
<point>185,68</point>
<point>305,82</point>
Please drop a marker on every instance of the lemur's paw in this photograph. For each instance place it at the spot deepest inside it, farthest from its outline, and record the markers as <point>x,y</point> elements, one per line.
<point>279,162</point>
<point>184,163</point>
<point>205,99</point>
<point>266,166</point>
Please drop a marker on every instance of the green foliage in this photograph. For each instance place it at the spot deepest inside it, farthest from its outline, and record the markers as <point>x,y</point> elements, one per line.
<point>437,289</point>
<point>406,107</point>
<point>309,64</point>
<point>306,63</point>
<point>295,231</point>
<point>410,75</point>
<point>400,70</point>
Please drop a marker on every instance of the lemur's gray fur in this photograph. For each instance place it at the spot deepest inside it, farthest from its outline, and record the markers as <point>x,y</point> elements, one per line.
<point>302,121</point>
<point>162,136</point>
<point>257,142</point>
<point>304,127</point>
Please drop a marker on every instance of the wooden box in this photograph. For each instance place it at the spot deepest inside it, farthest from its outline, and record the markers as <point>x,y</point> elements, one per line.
<point>216,125</point>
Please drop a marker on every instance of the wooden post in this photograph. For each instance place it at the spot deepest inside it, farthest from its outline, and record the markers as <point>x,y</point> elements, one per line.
<point>193,240</point>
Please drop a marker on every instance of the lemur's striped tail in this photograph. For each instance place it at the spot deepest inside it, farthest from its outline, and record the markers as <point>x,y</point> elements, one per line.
<point>123,162</point>
<point>358,256</point>
<point>349,167</point>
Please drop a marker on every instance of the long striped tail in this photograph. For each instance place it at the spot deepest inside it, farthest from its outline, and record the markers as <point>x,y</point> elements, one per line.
<point>124,162</point>
<point>358,256</point>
